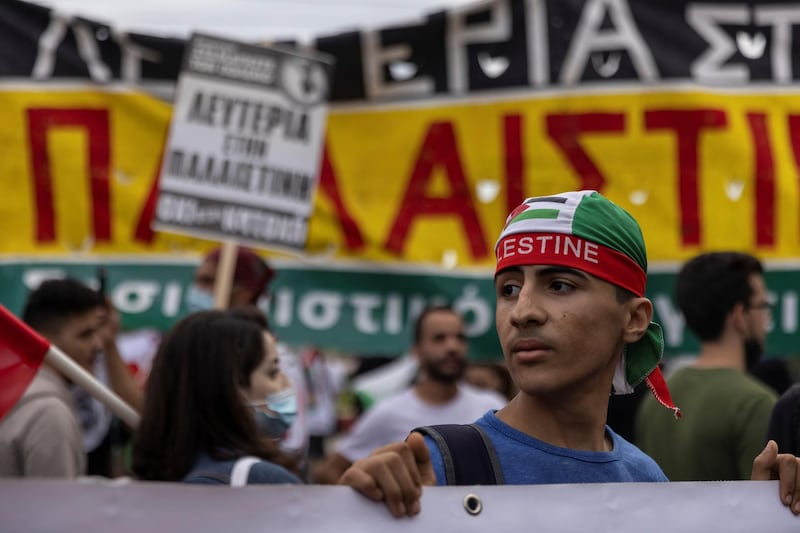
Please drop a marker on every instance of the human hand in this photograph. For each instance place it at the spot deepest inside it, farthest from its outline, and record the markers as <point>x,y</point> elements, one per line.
<point>394,474</point>
<point>108,321</point>
<point>785,467</point>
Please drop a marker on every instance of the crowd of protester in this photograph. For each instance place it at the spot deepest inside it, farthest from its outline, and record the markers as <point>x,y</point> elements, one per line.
<point>226,403</point>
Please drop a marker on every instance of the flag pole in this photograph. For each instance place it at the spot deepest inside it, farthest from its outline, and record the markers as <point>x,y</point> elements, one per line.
<point>69,368</point>
<point>223,281</point>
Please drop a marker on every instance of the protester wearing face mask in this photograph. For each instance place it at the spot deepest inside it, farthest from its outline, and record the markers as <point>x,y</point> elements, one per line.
<point>272,395</point>
<point>280,410</point>
<point>248,299</point>
<point>210,388</point>
<point>251,278</point>
<point>281,402</point>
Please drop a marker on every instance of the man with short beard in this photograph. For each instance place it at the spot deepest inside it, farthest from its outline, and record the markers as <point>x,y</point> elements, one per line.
<point>724,300</point>
<point>438,396</point>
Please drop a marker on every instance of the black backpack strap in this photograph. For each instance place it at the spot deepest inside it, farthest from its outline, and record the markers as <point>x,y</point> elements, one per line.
<point>469,456</point>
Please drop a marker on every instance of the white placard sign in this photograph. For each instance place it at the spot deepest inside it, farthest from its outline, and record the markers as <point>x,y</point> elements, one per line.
<point>243,153</point>
<point>78,507</point>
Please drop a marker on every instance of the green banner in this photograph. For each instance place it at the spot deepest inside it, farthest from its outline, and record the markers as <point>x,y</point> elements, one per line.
<point>359,309</point>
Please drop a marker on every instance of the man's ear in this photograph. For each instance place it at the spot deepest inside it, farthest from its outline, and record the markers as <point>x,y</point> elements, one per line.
<point>737,318</point>
<point>51,333</point>
<point>639,313</point>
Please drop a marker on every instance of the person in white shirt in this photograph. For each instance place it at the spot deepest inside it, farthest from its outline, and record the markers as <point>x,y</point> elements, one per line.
<point>438,397</point>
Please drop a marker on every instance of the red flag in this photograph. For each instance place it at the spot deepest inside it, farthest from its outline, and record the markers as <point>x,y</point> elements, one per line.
<point>22,351</point>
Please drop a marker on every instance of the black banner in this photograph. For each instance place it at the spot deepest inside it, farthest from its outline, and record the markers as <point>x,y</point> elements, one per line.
<point>500,45</point>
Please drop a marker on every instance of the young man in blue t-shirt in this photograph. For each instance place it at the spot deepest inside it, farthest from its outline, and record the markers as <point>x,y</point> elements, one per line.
<point>574,326</point>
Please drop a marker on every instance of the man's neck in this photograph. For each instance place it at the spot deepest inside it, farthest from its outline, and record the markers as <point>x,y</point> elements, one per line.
<point>574,423</point>
<point>436,392</point>
<point>726,353</point>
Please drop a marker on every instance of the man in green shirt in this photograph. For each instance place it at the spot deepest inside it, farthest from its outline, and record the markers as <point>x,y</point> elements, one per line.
<point>724,301</point>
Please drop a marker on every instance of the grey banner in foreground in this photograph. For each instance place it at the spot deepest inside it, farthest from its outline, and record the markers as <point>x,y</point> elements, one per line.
<point>122,507</point>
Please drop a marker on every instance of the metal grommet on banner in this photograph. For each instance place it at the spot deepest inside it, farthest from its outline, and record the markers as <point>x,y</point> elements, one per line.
<point>473,504</point>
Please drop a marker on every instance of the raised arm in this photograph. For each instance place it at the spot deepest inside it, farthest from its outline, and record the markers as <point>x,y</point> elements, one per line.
<point>120,378</point>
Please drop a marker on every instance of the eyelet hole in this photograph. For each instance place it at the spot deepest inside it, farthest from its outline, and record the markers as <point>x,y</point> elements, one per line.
<point>473,504</point>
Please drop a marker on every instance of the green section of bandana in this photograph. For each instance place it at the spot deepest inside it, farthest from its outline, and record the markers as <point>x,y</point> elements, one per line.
<point>599,220</point>
<point>536,213</point>
<point>642,356</point>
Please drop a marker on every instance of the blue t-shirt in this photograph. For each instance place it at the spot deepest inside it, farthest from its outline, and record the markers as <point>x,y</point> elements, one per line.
<point>529,461</point>
<point>208,471</point>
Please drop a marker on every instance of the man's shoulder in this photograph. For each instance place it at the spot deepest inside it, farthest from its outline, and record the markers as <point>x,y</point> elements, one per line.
<point>643,468</point>
<point>759,388</point>
<point>45,382</point>
<point>741,385</point>
<point>43,417</point>
<point>728,379</point>
<point>631,452</point>
<point>45,396</point>
<point>44,422</point>
<point>684,373</point>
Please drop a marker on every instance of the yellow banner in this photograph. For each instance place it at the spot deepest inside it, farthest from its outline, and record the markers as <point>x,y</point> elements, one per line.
<point>430,183</point>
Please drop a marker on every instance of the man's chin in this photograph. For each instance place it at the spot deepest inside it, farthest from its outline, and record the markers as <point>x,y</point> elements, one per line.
<point>88,366</point>
<point>447,378</point>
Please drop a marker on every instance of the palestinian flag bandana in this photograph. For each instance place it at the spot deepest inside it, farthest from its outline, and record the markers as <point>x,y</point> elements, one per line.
<point>586,231</point>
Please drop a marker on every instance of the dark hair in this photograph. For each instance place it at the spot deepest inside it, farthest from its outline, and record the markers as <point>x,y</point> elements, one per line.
<point>710,285</point>
<point>193,402</point>
<point>420,321</point>
<point>57,300</point>
<point>623,295</point>
<point>251,313</point>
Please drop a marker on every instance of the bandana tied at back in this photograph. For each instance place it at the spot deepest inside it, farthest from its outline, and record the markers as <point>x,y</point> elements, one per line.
<point>586,231</point>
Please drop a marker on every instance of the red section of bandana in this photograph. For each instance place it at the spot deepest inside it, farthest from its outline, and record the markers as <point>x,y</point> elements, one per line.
<point>573,252</point>
<point>658,386</point>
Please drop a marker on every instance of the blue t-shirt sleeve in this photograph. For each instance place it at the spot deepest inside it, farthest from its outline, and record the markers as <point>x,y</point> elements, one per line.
<point>436,460</point>
<point>643,467</point>
<point>656,474</point>
<point>264,472</point>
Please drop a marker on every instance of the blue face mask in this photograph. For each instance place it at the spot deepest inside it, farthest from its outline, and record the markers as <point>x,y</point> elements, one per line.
<point>199,300</point>
<point>283,405</point>
<point>270,425</point>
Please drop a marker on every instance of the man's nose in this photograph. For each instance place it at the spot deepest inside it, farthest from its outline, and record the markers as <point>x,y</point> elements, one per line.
<point>528,307</point>
<point>455,343</point>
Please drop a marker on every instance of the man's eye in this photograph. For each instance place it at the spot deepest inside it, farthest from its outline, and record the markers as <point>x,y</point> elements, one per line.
<point>509,289</point>
<point>561,286</point>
